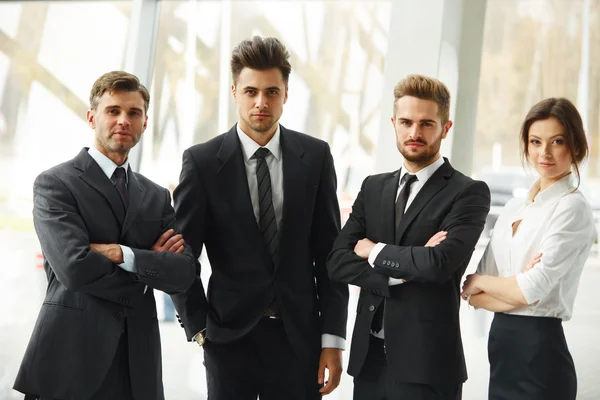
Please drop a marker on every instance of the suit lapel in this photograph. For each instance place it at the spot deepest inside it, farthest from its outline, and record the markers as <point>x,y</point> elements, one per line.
<point>233,182</point>
<point>93,175</point>
<point>136,196</point>
<point>437,182</point>
<point>295,174</point>
<point>388,205</point>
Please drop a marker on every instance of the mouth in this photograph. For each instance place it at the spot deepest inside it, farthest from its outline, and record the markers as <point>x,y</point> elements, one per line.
<point>546,165</point>
<point>261,115</point>
<point>414,145</point>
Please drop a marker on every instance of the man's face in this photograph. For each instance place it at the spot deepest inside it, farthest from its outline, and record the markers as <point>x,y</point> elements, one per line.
<point>419,130</point>
<point>118,121</point>
<point>260,96</point>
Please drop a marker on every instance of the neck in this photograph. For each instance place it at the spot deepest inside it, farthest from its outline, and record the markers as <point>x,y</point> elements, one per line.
<point>545,183</point>
<point>415,166</point>
<point>261,138</point>
<point>118,158</point>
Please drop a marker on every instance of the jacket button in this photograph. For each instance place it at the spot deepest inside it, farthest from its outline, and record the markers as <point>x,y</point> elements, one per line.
<point>371,307</point>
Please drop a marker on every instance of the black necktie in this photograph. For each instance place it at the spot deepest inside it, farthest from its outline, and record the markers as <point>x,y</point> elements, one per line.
<point>119,178</point>
<point>408,180</point>
<point>267,222</point>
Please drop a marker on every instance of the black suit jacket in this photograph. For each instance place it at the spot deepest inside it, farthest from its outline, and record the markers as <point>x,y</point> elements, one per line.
<point>89,299</point>
<point>422,332</point>
<point>213,206</point>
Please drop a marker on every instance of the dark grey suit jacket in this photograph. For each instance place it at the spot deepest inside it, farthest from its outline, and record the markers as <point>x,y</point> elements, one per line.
<point>213,206</point>
<point>421,322</point>
<point>89,298</point>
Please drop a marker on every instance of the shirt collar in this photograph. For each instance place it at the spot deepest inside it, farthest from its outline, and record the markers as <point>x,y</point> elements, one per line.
<point>425,173</point>
<point>249,146</point>
<point>106,164</point>
<point>555,191</point>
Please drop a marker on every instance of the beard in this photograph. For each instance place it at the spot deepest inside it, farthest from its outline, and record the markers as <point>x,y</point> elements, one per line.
<point>424,155</point>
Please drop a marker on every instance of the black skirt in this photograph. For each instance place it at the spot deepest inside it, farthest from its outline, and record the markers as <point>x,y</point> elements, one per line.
<point>529,359</point>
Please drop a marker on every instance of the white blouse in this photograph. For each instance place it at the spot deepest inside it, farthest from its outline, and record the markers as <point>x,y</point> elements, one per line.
<point>558,222</point>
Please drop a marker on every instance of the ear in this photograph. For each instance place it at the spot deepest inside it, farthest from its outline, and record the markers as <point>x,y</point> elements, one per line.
<point>233,92</point>
<point>91,119</point>
<point>446,128</point>
<point>285,97</point>
<point>393,119</point>
<point>145,124</point>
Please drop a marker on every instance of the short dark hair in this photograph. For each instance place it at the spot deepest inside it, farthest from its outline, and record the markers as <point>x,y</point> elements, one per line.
<point>568,116</point>
<point>425,88</point>
<point>260,53</point>
<point>117,81</point>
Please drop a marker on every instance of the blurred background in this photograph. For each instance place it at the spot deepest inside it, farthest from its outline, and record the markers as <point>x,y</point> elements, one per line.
<point>498,57</point>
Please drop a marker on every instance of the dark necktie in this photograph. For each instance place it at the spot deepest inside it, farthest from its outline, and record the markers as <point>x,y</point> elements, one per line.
<point>401,201</point>
<point>119,178</point>
<point>267,222</point>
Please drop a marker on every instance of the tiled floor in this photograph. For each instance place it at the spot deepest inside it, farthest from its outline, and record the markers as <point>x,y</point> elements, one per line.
<point>22,288</point>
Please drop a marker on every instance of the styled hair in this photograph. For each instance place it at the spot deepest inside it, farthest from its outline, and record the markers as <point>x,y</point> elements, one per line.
<point>260,53</point>
<point>119,81</point>
<point>568,117</point>
<point>425,88</point>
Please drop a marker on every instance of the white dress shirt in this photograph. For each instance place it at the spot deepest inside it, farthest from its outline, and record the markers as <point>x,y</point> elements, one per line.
<point>422,177</point>
<point>275,164</point>
<point>557,222</point>
<point>108,167</point>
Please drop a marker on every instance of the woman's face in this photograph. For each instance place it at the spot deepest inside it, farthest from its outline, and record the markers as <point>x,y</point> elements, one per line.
<point>548,150</point>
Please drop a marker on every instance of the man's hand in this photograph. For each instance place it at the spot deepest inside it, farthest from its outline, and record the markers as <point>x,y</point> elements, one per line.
<point>532,263</point>
<point>363,248</point>
<point>169,242</point>
<point>470,286</point>
<point>332,360</point>
<point>436,239</point>
<point>111,251</point>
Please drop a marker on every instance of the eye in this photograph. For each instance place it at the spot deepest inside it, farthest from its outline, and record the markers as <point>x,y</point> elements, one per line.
<point>273,92</point>
<point>250,92</point>
<point>405,122</point>
<point>559,142</point>
<point>113,111</point>
<point>135,114</point>
<point>427,124</point>
<point>534,141</point>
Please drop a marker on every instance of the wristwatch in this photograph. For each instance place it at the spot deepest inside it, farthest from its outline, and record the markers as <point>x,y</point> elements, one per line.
<point>199,338</point>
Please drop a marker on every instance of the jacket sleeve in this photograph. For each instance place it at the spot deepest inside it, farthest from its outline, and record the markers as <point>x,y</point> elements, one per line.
<point>343,264</point>
<point>166,271</point>
<point>65,243</point>
<point>191,215</point>
<point>464,224</point>
<point>333,296</point>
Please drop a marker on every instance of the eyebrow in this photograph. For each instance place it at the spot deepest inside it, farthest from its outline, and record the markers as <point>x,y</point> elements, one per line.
<point>552,137</point>
<point>269,88</point>
<point>422,120</point>
<point>114,106</point>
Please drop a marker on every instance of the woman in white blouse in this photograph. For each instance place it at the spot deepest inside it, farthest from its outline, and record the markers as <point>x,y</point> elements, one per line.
<point>530,270</point>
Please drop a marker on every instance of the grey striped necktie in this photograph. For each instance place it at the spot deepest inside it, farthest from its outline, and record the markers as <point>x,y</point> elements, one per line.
<point>267,222</point>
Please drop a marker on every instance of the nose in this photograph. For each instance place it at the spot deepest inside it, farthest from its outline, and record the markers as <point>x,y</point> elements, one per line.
<point>123,120</point>
<point>546,152</point>
<point>414,132</point>
<point>261,101</point>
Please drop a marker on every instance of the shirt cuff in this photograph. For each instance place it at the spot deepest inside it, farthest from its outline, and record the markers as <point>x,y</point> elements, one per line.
<point>128,263</point>
<point>375,252</point>
<point>332,341</point>
<point>395,281</point>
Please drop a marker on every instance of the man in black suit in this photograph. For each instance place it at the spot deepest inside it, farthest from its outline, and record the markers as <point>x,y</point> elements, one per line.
<point>106,236</point>
<point>407,244</point>
<point>262,198</point>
